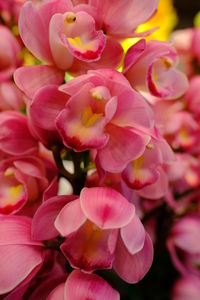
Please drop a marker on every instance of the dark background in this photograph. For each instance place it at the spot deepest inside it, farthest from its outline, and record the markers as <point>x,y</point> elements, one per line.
<point>186,10</point>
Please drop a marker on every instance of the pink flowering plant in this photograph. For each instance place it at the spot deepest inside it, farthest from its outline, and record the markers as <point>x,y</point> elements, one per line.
<point>99,153</point>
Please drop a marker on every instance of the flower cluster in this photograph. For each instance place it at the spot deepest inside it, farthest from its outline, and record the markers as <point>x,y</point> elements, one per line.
<point>96,145</point>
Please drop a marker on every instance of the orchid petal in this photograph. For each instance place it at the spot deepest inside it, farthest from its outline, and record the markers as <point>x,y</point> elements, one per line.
<point>81,286</point>
<point>123,146</point>
<point>106,207</point>
<point>70,218</point>
<point>133,54</point>
<point>15,138</point>
<point>110,58</point>
<point>34,23</point>
<point>73,86</point>
<point>11,97</point>
<point>9,53</point>
<point>45,107</point>
<point>123,17</point>
<point>157,189</point>
<point>90,248</point>
<point>43,220</point>
<point>133,112</point>
<point>17,262</point>
<point>30,79</point>
<point>62,57</point>
<point>133,235</point>
<point>132,268</point>
<point>16,230</point>
<point>31,166</point>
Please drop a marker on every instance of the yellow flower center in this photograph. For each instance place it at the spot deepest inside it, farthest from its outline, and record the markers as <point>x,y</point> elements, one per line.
<point>77,43</point>
<point>89,118</point>
<point>14,193</point>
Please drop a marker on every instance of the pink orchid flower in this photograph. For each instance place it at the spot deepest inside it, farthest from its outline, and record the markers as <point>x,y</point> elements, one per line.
<point>151,67</point>
<point>145,170</point>
<point>15,137</point>
<point>96,117</point>
<point>111,15</point>
<point>74,35</point>
<point>70,40</point>
<point>185,288</point>
<point>66,34</point>
<point>9,53</point>
<point>22,179</point>
<point>184,246</point>
<point>93,117</point>
<point>91,239</point>
<point>81,286</point>
<point>102,231</point>
<point>20,256</point>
